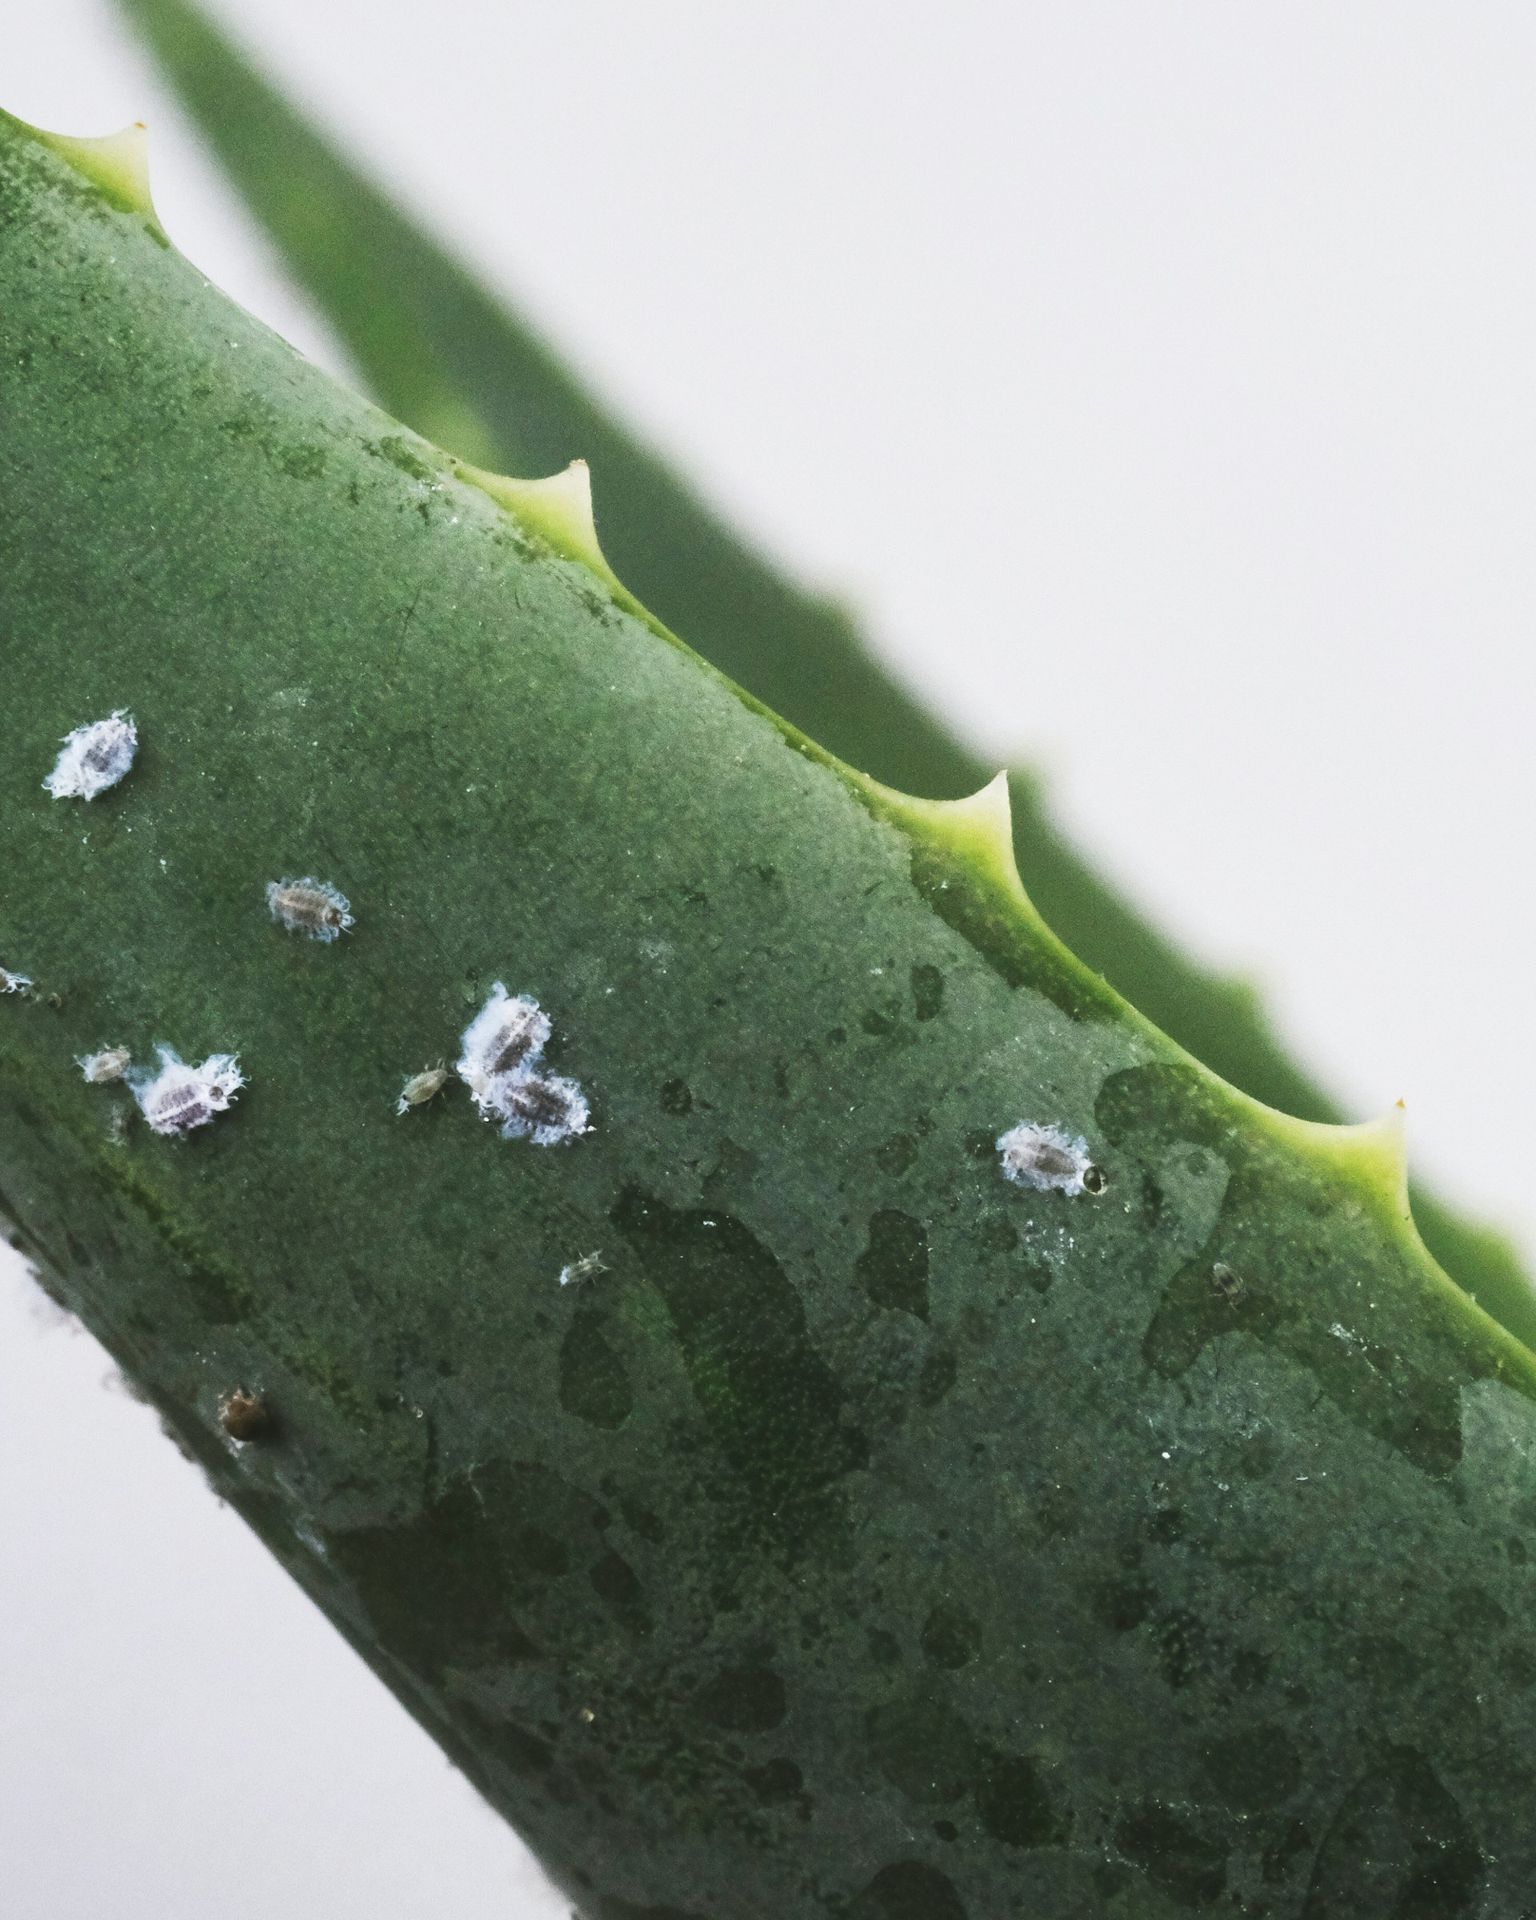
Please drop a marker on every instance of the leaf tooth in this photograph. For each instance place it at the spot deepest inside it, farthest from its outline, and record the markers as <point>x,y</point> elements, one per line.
<point>558,507</point>
<point>118,163</point>
<point>978,826</point>
<point>1374,1154</point>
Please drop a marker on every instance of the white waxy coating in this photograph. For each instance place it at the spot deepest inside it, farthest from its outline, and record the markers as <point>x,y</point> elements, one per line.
<point>582,1269</point>
<point>94,757</point>
<point>501,1049</point>
<point>176,1097</point>
<point>545,1108</point>
<point>509,1031</point>
<point>100,1068</point>
<point>1047,1157</point>
<point>14,982</point>
<point>310,906</point>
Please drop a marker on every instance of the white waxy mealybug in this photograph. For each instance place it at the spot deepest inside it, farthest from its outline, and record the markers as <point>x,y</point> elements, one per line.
<point>176,1097</point>
<point>582,1269</point>
<point>1049,1158</point>
<point>502,1046</point>
<point>309,906</point>
<point>94,758</point>
<point>422,1087</point>
<point>100,1068</point>
<point>14,982</point>
<point>541,1107</point>
<point>508,1032</point>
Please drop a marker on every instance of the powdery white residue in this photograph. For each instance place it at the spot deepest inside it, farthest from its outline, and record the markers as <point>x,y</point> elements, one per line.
<point>421,1087</point>
<point>94,758</point>
<point>100,1068</point>
<point>502,1046</point>
<point>1048,1157</point>
<point>176,1097</point>
<point>310,906</point>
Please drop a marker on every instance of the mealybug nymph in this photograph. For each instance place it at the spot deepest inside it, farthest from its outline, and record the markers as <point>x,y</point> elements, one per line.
<point>309,906</point>
<point>1049,1158</point>
<point>422,1087</point>
<point>582,1269</point>
<point>94,757</point>
<point>100,1068</point>
<point>175,1097</point>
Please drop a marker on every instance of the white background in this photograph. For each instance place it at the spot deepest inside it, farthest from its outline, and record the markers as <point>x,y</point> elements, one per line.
<point>1160,380</point>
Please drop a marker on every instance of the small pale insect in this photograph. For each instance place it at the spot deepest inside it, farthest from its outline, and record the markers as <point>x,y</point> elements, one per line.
<point>422,1087</point>
<point>94,757</point>
<point>310,906</point>
<point>582,1269</point>
<point>108,1065</point>
<point>176,1097</point>
<point>14,982</point>
<point>542,1107</point>
<point>1226,1283</point>
<point>244,1415</point>
<point>509,1031</point>
<point>1049,1158</point>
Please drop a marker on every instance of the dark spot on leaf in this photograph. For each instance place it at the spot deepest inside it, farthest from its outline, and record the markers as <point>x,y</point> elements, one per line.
<point>923,1748</point>
<point>908,1890</point>
<point>1015,1804</point>
<point>745,1699</point>
<point>951,1638</point>
<point>893,1268</point>
<point>772,1404</point>
<point>940,1371</point>
<point>593,1384</point>
<point>1253,1770</point>
<point>676,1097</point>
<point>1399,1848</point>
<point>895,1155</point>
<point>927,991</point>
<point>1173,1854</point>
<point>774,1781</point>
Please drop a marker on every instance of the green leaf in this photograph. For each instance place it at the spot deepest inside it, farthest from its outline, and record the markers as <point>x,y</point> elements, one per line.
<point>871,1538</point>
<point>465,370</point>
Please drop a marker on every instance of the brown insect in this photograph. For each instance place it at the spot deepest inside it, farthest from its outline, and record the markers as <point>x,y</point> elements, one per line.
<point>244,1415</point>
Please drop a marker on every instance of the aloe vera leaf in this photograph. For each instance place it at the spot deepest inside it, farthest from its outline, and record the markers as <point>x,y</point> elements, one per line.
<point>465,370</point>
<point>871,1537</point>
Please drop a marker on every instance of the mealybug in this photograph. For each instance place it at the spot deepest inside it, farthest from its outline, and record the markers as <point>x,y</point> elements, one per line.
<point>110,1064</point>
<point>502,1046</point>
<point>541,1107</point>
<point>244,1415</point>
<point>508,1032</point>
<point>1049,1158</point>
<point>94,758</point>
<point>421,1087</point>
<point>176,1097</point>
<point>309,906</point>
<point>14,982</point>
<point>582,1269</point>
